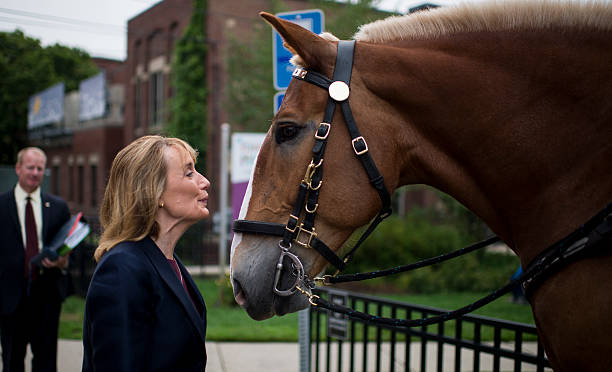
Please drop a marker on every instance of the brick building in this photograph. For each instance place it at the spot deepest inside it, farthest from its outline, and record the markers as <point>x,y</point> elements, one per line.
<point>80,152</point>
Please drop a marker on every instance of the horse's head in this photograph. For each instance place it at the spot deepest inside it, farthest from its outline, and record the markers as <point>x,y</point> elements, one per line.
<point>346,199</point>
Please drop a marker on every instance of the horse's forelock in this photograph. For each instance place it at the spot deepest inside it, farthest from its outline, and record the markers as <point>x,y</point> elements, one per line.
<point>296,60</point>
<point>489,16</point>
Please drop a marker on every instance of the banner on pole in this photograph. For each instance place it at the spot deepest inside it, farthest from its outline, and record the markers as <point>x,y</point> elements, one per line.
<point>245,147</point>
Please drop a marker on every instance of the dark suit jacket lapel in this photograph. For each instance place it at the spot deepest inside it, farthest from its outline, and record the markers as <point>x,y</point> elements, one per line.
<point>46,210</point>
<point>12,206</point>
<point>169,277</point>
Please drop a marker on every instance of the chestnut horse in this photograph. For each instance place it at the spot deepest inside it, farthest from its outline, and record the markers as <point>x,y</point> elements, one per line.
<point>505,107</point>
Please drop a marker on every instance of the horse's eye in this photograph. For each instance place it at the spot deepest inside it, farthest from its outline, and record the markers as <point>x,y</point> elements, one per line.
<point>286,132</point>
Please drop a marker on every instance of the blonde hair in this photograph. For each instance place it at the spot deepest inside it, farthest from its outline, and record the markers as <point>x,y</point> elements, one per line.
<point>135,185</point>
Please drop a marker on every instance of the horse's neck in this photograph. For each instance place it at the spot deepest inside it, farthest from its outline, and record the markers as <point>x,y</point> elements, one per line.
<point>517,129</point>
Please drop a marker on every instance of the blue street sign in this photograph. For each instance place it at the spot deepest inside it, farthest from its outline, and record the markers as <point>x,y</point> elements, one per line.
<point>309,19</point>
<point>278,99</point>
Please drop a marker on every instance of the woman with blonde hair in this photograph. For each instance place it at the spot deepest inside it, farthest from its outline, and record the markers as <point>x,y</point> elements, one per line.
<point>143,311</point>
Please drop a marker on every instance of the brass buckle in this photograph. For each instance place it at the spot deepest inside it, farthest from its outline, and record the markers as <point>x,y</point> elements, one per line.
<point>311,234</point>
<point>323,280</point>
<point>312,168</point>
<point>313,209</point>
<point>323,124</point>
<point>360,138</point>
<point>312,298</point>
<point>296,224</point>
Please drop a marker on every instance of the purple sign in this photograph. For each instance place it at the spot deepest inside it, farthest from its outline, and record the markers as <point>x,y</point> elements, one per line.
<point>245,147</point>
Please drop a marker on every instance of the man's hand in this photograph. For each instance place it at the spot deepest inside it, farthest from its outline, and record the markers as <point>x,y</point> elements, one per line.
<point>61,263</point>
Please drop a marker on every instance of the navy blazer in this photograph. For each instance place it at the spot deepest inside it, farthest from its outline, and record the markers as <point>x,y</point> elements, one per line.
<point>138,316</point>
<point>12,252</point>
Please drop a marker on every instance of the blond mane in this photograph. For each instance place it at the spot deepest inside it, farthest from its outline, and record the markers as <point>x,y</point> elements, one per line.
<point>489,16</point>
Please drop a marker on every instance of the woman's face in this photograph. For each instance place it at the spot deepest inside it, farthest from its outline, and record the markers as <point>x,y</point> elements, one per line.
<point>186,195</point>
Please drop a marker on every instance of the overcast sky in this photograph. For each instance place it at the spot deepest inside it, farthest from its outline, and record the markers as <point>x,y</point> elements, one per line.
<point>99,26</point>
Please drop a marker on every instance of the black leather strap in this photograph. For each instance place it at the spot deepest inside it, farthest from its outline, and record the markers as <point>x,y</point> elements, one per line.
<point>594,233</point>
<point>257,227</point>
<point>277,229</point>
<point>344,61</point>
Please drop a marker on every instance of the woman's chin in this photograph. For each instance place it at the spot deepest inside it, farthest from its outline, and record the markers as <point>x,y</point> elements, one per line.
<point>204,213</point>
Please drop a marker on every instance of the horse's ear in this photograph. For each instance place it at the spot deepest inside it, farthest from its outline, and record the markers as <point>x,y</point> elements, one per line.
<point>315,51</point>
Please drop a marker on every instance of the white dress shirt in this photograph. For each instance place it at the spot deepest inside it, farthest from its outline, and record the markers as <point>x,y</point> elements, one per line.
<point>35,198</point>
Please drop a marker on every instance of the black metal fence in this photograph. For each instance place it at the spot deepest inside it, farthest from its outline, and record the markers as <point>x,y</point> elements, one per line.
<point>470,343</point>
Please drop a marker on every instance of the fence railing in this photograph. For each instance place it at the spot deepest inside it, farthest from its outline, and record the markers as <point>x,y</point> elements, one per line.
<point>470,343</point>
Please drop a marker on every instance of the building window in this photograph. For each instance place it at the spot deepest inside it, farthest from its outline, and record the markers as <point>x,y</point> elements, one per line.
<point>56,180</point>
<point>138,104</point>
<point>94,185</point>
<point>157,98</point>
<point>81,181</point>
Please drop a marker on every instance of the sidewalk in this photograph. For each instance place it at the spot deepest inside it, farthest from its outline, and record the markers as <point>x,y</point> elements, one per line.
<point>222,357</point>
<point>284,357</point>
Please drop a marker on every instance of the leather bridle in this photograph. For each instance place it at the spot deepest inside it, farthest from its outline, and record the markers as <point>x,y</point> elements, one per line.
<point>302,232</point>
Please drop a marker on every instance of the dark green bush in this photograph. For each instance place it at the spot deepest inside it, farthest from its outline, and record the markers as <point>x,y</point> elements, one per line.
<point>401,241</point>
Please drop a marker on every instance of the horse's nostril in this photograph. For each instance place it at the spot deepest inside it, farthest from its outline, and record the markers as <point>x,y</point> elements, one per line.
<point>238,293</point>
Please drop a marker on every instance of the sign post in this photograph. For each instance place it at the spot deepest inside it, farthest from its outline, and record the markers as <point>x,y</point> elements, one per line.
<point>225,129</point>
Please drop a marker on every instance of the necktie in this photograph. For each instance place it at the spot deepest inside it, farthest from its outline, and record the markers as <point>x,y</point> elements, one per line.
<point>31,237</point>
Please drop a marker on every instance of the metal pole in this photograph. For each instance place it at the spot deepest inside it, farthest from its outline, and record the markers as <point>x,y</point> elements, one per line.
<point>223,209</point>
<point>304,339</point>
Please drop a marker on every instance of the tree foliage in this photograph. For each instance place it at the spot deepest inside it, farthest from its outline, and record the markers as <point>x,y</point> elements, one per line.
<point>423,234</point>
<point>188,106</point>
<point>25,69</point>
<point>250,91</point>
<point>343,20</point>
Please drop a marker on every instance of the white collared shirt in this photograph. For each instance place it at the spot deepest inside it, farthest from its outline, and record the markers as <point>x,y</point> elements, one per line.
<point>20,199</point>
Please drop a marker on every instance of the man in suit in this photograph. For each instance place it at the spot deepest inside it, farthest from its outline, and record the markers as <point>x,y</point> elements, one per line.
<point>30,296</point>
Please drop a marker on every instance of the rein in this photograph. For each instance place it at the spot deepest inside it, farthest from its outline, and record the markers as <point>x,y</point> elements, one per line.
<point>584,240</point>
<point>592,234</point>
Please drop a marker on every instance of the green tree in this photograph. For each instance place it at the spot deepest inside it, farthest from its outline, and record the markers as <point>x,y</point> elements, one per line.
<point>188,106</point>
<point>25,69</point>
<point>250,90</point>
<point>71,65</point>
<point>343,20</point>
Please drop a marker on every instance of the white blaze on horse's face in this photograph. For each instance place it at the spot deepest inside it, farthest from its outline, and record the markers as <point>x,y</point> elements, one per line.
<point>243,211</point>
<point>252,267</point>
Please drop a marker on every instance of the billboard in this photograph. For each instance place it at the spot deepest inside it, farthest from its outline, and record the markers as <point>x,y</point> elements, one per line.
<point>46,107</point>
<point>92,97</point>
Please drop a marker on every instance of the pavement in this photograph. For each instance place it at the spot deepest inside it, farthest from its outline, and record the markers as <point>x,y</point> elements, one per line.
<point>284,357</point>
<point>222,357</point>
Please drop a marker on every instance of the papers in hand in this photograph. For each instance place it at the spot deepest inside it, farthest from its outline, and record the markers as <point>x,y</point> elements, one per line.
<point>67,238</point>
